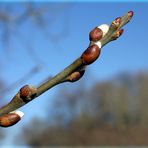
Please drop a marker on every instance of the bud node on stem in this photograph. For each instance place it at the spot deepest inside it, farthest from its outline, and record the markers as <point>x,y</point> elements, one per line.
<point>27,93</point>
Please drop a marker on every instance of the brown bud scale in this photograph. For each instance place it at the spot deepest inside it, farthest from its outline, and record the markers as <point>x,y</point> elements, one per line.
<point>9,119</point>
<point>96,34</point>
<point>75,76</point>
<point>25,91</point>
<point>90,54</point>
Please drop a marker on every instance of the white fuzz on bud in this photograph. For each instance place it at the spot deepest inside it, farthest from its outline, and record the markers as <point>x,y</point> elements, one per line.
<point>98,44</point>
<point>104,28</point>
<point>19,113</point>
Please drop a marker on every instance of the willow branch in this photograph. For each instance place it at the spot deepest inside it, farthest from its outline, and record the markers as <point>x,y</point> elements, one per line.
<point>99,37</point>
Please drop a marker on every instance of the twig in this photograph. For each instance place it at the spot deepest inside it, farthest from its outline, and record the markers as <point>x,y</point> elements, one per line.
<point>99,37</point>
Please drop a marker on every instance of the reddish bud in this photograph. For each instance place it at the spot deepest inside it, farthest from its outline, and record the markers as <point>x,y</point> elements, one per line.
<point>90,54</point>
<point>25,91</point>
<point>96,34</point>
<point>117,22</point>
<point>9,119</point>
<point>75,76</point>
<point>119,32</point>
<point>130,13</point>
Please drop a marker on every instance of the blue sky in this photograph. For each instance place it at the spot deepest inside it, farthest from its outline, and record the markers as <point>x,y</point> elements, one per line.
<point>128,54</point>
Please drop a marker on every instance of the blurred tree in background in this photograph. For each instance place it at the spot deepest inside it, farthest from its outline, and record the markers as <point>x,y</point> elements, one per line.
<point>113,112</point>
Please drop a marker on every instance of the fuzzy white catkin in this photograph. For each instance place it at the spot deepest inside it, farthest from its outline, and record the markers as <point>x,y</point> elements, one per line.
<point>21,114</point>
<point>98,43</point>
<point>104,28</point>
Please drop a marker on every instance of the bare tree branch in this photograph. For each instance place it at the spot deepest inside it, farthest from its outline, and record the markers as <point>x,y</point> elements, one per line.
<point>99,37</point>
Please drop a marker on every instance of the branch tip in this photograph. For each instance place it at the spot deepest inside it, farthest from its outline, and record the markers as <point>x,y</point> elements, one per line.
<point>130,14</point>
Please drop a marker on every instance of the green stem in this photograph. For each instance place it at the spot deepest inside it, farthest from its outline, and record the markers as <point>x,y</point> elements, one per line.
<point>17,102</point>
<point>59,77</point>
